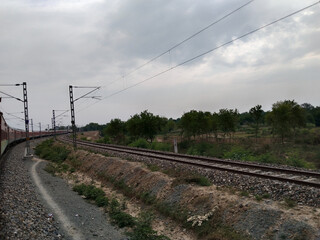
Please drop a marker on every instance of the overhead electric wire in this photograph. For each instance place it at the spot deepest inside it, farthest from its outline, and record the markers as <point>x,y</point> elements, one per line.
<point>209,51</point>
<point>185,40</point>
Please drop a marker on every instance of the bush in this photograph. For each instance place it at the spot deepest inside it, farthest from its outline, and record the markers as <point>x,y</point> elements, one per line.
<point>89,191</point>
<point>47,150</point>
<point>102,201</point>
<point>118,217</point>
<point>140,143</point>
<point>143,229</point>
<point>166,147</point>
<point>199,180</point>
<point>80,189</point>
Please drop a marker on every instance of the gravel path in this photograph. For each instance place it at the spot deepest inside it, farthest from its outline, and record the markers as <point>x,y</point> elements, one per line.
<point>26,209</point>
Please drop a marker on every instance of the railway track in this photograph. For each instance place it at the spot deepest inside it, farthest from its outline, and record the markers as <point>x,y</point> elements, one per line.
<point>287,175</point>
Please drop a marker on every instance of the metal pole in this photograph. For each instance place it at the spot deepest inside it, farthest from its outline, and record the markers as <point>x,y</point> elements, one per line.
<point>54,124</point>
<point>73,121</point>
<point>26,116</point>
<point>40,129</point>
<point>31,122</point>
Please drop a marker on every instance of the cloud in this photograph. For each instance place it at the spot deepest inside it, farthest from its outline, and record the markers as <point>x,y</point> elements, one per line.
<point>54,44</point>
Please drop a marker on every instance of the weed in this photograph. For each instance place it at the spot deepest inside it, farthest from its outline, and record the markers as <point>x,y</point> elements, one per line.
<point>143,229</point>
<point>244,194</point>
<point>259,197</point>
<point>199,180</point>
<point>290,203</point>
<point>102,201</point>
<point>119,217</point>
<point>51,168</point>
<point>147,198</point>
<point>47,150</point>
<point>153,167</point>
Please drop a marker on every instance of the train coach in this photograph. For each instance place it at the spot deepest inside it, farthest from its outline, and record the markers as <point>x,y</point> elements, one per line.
<point>10,135</point>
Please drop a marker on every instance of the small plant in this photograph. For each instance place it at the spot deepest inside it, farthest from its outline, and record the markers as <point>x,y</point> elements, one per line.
<point>244,194</point>
<point>89,191</point>
<point>102,201</point>
<point>51,168</point>
<point>119,217</point>
<point>199,180</point>
<point>143,229</point>
<point>147,198</point>
<point>290,203</point>
<point>80,188</point>
<point>153,167</point>
<point>259,197</point>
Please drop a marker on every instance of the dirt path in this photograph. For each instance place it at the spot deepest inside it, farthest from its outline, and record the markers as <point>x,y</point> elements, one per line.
<point>80,219</point>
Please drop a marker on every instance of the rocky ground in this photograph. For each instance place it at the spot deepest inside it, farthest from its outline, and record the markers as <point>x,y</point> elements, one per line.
<point>22,216</point>
<point>25,214</point>
<point>276,190</point>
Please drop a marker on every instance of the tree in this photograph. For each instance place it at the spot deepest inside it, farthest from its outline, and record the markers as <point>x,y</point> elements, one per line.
<point>316,116</point>
<point>256,114</point>
<point>285,117</point>
<point>309,109</point>
<point>145,125</point>
<point>228,119</point>
<point>116,130</point>
<point>189,123</point>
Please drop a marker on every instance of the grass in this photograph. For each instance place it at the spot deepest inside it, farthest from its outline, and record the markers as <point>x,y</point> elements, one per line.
<point>49,151</point>
<point>143,230</point>
<point>290,203</point>
<point>199,180</point>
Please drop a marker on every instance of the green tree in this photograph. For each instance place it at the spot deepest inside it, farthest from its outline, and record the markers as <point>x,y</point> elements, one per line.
<point>115,130</point>
<point>190,123</point>
<point>145,125</point>
<point>285,117</point>
<point>228,119</point>
<point>256,114</point>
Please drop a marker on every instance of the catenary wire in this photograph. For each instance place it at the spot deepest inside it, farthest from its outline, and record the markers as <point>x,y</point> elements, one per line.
<point>207,52</point>
<point>185,40</point>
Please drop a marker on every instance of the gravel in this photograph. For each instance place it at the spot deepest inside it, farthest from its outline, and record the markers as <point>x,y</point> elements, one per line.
<point>277,190</point>
<point>26,215</point>
<point>22,216</point>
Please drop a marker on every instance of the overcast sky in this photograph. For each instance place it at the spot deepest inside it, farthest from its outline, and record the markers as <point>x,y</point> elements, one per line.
<point>52,44</point>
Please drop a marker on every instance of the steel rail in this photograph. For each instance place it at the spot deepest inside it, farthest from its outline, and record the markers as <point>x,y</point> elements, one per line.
<point>170,157</point>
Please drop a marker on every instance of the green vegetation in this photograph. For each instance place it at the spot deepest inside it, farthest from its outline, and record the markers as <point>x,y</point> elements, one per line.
<point>140,227</point>
<point>143,230</point>
<point>55,153</point>
<point>92,193</point>
<point>250,136</point>
<point>290,203</point>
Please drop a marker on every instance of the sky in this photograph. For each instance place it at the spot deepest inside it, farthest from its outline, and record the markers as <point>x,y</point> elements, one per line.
<point>52,44</point>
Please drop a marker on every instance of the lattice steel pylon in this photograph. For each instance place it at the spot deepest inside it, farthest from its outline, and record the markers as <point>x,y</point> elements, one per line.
<point>73,121</point>
<point>26,116</point>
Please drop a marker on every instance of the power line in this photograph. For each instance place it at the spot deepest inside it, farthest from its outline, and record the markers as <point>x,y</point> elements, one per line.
<point>185,40</point>
<point>207,52</point>
<point>214,49</point>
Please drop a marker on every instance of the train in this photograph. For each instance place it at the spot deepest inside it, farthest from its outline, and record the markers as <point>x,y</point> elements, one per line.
<point>10,136</point>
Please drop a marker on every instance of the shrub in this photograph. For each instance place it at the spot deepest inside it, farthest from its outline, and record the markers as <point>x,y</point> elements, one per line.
<point>199,180</point>
<point>49,151</point>
<point>118,217</point>
<point>102,201</point>
<point>140,143</point>
<point>80,189</point>
<point>143,229</point>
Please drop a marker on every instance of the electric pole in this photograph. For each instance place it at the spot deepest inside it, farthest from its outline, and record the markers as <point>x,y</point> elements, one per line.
<point>40,128</point>
<point>73,119</point>
<point>26,116</point>
<point>54,124</point>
